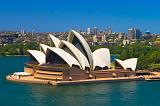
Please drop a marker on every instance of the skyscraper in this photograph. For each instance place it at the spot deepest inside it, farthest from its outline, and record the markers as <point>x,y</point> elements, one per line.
<point>131,33</point>
<point>22,32</point>
<point>88,31</point>
<point>134,33</point>
<point>138,33</point>
<point>95,31</point>
<point>33,32</point>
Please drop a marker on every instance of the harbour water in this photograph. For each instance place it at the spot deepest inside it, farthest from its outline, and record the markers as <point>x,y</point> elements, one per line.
<point>140,93</point>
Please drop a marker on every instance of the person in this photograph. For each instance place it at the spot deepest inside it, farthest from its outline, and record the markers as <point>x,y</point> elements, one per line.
<point>19,76</point>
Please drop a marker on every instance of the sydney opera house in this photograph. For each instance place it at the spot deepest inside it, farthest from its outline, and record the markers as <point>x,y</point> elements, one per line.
<point>74,60</point>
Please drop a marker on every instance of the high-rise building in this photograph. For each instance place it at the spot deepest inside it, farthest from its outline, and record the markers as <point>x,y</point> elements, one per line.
<point>22,32</point>
<point>104,38</point>
<point>88,31</point>
<point>131,33</point>
<point>33,32</point>
<point>134,33</point>
<point>109,31</point>
<point>138,33</point>
<point>95,31</point>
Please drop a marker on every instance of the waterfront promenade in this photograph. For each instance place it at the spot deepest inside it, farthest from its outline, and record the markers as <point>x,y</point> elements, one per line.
<point>31,79</point>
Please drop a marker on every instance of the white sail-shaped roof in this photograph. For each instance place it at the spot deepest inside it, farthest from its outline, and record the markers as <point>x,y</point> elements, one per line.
<point>55,40</point>
<point>44,47</point>
<point>82,45</point>
<point>38,55</point>
<point>98,62</point>
<point>129,63</point>
<point>70,60</point>
<point>121,63</point>
<point>101,58</point>
<point>77,54</point>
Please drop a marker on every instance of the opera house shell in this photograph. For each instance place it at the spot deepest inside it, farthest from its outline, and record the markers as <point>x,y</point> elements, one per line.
<point>70,60</point>
<point>128,64</point>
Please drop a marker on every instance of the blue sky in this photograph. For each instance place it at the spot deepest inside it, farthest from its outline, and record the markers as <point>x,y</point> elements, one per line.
<point>62,15</point>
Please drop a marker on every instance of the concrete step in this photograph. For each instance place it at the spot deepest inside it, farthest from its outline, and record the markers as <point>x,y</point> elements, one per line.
<point>49,73</point>
<point>48,77</point>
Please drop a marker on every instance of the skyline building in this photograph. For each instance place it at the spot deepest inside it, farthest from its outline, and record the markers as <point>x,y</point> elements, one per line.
<point>134,33</point>
<point>147,35</point>
<point>147,32</point>
<point>109,31</point>
<point>138,33</point>
<point>131,33</point>
<point>95,31</point>
<point>33,32</point>
<point>104,38</point>
<point>22,32</point>
<point>89,31</point>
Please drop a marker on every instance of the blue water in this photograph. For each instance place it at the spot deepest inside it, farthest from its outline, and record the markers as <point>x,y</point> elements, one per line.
<point>140,93</point>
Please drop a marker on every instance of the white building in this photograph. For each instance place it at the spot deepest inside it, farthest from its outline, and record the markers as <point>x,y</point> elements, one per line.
<point>74,52</point>
<point>89,31</point>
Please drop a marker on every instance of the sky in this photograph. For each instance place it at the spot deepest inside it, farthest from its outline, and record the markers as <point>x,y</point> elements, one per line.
<point>63,15</point>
